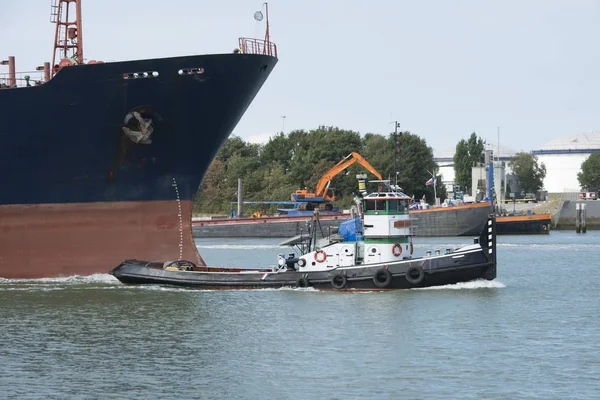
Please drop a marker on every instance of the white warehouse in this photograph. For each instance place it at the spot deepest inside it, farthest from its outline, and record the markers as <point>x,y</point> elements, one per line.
<point>563,157</point>
<point>445,162</point>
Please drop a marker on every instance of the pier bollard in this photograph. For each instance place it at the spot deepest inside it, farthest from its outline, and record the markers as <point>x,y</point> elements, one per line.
<point>583,214</point>
<point>578,217</point>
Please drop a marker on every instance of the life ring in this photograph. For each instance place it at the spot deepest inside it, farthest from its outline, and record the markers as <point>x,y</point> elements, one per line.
<point>411,271</point>
<point>302,283</point>
<point>412,248</point>
<point>382,278</point>
<point>339,281</point>
<point>544,227</point>
<point>397,249</point>
<point>318,258</point>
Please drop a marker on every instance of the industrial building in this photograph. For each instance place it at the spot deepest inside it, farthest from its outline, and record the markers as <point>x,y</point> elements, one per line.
<point>445,161</point>
<point>563,158</point>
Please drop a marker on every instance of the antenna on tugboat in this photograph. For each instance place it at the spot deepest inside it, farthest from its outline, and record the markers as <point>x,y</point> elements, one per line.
<point>396,126</point>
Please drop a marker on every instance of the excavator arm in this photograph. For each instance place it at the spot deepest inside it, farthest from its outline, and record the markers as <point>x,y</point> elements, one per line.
<point>350,159</point>
<point>323,185</point>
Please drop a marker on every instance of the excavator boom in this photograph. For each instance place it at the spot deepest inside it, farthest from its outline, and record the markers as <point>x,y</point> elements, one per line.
<point>323,184</point>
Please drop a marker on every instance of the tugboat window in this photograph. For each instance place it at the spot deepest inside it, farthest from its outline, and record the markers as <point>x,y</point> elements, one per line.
<point>402,205</point>
<point>380,205</point>
<point>370,205</point>
<point>393,205</point>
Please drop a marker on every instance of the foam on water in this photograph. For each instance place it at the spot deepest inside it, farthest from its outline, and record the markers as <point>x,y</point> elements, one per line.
<point>74,279</point>
<point>29,288</point>
<point>477,284</point>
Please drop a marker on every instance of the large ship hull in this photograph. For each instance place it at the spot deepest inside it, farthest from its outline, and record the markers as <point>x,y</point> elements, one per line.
<point>264,227</point>
<point>80,193</point>
<point>524,224</point>
<point>465,220</point>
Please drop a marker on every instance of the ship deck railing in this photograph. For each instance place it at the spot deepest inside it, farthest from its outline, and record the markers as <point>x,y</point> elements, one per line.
<point>36,78</point>
<point>257,46</point>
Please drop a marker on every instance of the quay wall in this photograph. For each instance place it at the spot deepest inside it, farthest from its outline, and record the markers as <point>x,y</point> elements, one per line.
<point>567,213</point>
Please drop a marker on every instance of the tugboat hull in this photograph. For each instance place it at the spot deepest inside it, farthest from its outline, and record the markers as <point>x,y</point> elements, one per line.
<point>477,261</point>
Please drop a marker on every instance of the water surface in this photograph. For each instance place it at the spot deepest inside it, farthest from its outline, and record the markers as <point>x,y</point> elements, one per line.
<point>533,333</point>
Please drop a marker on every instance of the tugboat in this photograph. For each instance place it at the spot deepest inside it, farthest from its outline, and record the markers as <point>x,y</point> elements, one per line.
<point>372,251</point>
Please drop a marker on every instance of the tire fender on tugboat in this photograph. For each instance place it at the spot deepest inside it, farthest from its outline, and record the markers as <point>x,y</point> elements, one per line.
<point>382,278</point>
<point>411,271</point>
<point>339,281</point>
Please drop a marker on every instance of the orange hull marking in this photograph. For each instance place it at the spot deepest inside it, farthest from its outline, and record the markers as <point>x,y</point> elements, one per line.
<point>463,207</point>
<point>521,218</point>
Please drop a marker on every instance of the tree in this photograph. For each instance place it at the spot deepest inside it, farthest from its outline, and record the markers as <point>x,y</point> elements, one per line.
<point>468,152</point>
<point>299,159</point>
<point>589,177</point>
<point>278,150</point>
<point>531,175</point>
<point>235,145</point>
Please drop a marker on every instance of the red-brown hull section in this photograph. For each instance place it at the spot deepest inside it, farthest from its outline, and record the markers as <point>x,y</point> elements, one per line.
<point>53,240</point>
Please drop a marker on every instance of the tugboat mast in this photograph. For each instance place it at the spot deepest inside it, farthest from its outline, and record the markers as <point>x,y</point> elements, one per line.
<point>396,126</point>
<point>68,37</point>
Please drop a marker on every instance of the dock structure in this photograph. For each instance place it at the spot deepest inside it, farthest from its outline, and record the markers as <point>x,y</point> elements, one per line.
<point>580,214</point>
<point>569,217</point>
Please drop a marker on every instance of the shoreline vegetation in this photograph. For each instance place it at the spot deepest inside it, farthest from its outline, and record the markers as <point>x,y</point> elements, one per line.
<point>298,159</point>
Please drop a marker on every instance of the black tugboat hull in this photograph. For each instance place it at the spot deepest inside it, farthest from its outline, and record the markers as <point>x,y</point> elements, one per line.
<point>469,263</point>
<point>337,279</point>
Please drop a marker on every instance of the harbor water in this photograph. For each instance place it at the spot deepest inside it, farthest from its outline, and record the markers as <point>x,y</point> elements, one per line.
<point>533,333</point>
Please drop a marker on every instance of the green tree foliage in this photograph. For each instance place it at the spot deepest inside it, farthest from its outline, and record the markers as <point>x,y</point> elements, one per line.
<point>589,177</point>
<point>298,160</point>
<point>468,152</point>
<point>531,175</point>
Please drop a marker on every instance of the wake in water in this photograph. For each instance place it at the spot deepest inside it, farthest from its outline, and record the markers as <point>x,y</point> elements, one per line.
<point>96,281</point>
<point>75,279</point>
<point>478,284</point>
<point>110,282</point>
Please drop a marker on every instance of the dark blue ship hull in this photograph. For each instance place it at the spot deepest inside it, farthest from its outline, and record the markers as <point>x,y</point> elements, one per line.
<point>70,168</point>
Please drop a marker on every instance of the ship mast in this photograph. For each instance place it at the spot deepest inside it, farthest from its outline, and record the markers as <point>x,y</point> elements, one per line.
<point>267,36</point>
<point>68,38</point>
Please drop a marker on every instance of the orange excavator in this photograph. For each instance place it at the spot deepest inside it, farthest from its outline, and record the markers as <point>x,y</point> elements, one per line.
<point>323,193</point>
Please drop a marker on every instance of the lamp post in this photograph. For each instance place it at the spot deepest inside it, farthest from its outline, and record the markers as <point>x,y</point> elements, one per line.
<point>283,124</point>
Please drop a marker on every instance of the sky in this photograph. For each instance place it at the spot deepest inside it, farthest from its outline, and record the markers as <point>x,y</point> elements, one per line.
<point>442,68</point>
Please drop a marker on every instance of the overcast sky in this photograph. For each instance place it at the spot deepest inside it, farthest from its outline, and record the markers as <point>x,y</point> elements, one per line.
<point>442,68</point>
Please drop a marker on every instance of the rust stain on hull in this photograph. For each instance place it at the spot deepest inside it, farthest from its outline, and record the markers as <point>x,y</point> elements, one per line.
<point>54,240</point>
